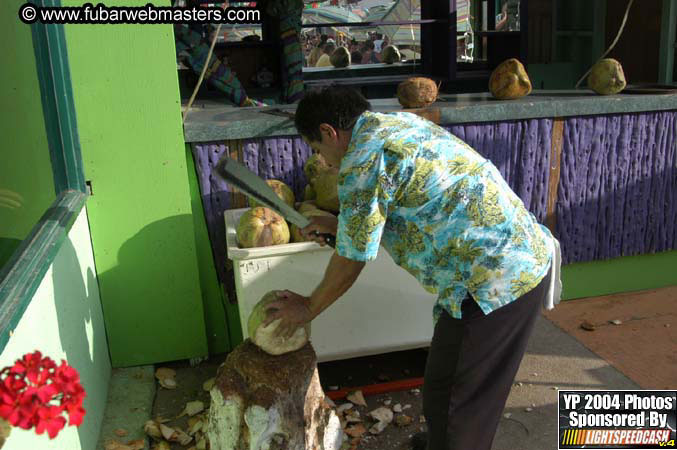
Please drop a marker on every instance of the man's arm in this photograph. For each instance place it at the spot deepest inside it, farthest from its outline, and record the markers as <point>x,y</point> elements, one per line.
<point>340,274</point>
<point>296,310</point>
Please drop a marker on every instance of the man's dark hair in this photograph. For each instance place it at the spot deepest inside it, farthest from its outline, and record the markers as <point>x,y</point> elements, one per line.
<point>356,57</point>
<point>334,105</point>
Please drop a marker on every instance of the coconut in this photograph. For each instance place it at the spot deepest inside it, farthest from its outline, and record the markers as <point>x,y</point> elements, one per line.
<point>509,80</point>
<point>417,92</point>
<point>326,187</point>
<point>261,227</point>
<point>340,57</point>
<point>306,206</point>
<point>607,77</point>
<point>314,165</point>
<point>264,338</point>
<point>391,55</point>
<point>282,190</point>
<point>309,193</point>
<point>296,235</point>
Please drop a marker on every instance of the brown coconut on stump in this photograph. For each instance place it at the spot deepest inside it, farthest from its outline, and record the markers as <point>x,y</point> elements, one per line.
<point>267,394</point>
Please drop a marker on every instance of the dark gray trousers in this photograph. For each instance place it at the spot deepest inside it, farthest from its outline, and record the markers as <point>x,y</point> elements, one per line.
<point>470,368</point>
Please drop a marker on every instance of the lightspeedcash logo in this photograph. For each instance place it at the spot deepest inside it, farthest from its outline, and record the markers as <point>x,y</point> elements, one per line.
<point>617,419</point>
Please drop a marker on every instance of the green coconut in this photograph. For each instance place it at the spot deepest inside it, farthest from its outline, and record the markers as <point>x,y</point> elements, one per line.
<point>282,190</point>
<point>390,55</point>
<point>306,206</point>
<point>607,77</point>
<point>261,227</point>
<point>309,193</point>
<point>509,80</point>
<point>264,337</point>
<point>326,187</point>
<point>314,165</point>
<point>295,231</point>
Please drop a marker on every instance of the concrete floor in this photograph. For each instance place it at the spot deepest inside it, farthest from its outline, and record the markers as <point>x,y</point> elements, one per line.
<point>637,353</point>
<point>131,394</point>
<point>643,345</point>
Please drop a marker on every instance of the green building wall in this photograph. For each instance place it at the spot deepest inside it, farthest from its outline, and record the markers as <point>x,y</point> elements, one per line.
<point>627,274</point>
<point>141,216</point>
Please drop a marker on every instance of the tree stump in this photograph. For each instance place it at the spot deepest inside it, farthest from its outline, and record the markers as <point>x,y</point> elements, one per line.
<point>265,402</point>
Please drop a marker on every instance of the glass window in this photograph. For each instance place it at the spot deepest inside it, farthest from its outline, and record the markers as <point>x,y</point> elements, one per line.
<point>237,32</point>
<point>379,40</point>
<point>368,31</point>
<point>467,23</point>
<point>26,178</point>
<point>479,22</point>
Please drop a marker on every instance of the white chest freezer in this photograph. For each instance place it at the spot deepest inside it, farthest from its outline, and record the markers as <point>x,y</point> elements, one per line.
<point>385,310</point>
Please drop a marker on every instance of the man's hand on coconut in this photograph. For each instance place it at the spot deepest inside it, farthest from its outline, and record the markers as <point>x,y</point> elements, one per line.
<point>293,310</point>
<point>321,225</point>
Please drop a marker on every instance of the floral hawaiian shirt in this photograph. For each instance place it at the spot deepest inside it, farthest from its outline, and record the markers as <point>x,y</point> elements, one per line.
<point>443,212</point>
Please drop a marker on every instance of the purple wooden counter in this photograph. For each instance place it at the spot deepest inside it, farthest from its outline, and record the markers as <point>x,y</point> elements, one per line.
<point>607,184</point>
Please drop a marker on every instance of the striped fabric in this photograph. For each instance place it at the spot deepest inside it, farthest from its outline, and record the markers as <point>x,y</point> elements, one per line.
<point>219,75</point>
<point>462,10</point>
<point>289,13</point>
<point>463,15</point>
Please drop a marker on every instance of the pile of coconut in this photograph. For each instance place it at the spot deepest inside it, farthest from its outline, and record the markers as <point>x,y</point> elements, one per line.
<point>260,226</point>
<point>361,423</point>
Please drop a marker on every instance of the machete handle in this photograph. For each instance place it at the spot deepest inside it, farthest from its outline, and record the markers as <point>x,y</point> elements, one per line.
<point>329,239</point>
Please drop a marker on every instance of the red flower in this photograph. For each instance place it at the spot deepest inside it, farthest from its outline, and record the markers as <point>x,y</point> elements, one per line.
<point>75,415</point>
<point>14,384</point>
<point>24,411</point>
<point>34,392</point>
<point>50,419</point>
<point>68,378</point>
<point>30,363</point>
<point>46,393</point>
<point>35,367</point>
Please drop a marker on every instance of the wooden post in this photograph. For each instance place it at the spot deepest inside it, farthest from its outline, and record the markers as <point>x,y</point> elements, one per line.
<point>236,152</point>
<point>553,181</point>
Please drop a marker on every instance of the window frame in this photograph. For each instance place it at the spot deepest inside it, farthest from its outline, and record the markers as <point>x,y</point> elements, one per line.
<point>23,273</point>
<point>668,46</point>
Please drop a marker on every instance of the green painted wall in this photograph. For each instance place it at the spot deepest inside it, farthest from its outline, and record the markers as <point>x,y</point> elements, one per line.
<point>64,321</point>
<point>128,108</point>
<point>558,75</point>
<point>213,297</point>
<point>26,181</point>
<point>627,274</point>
